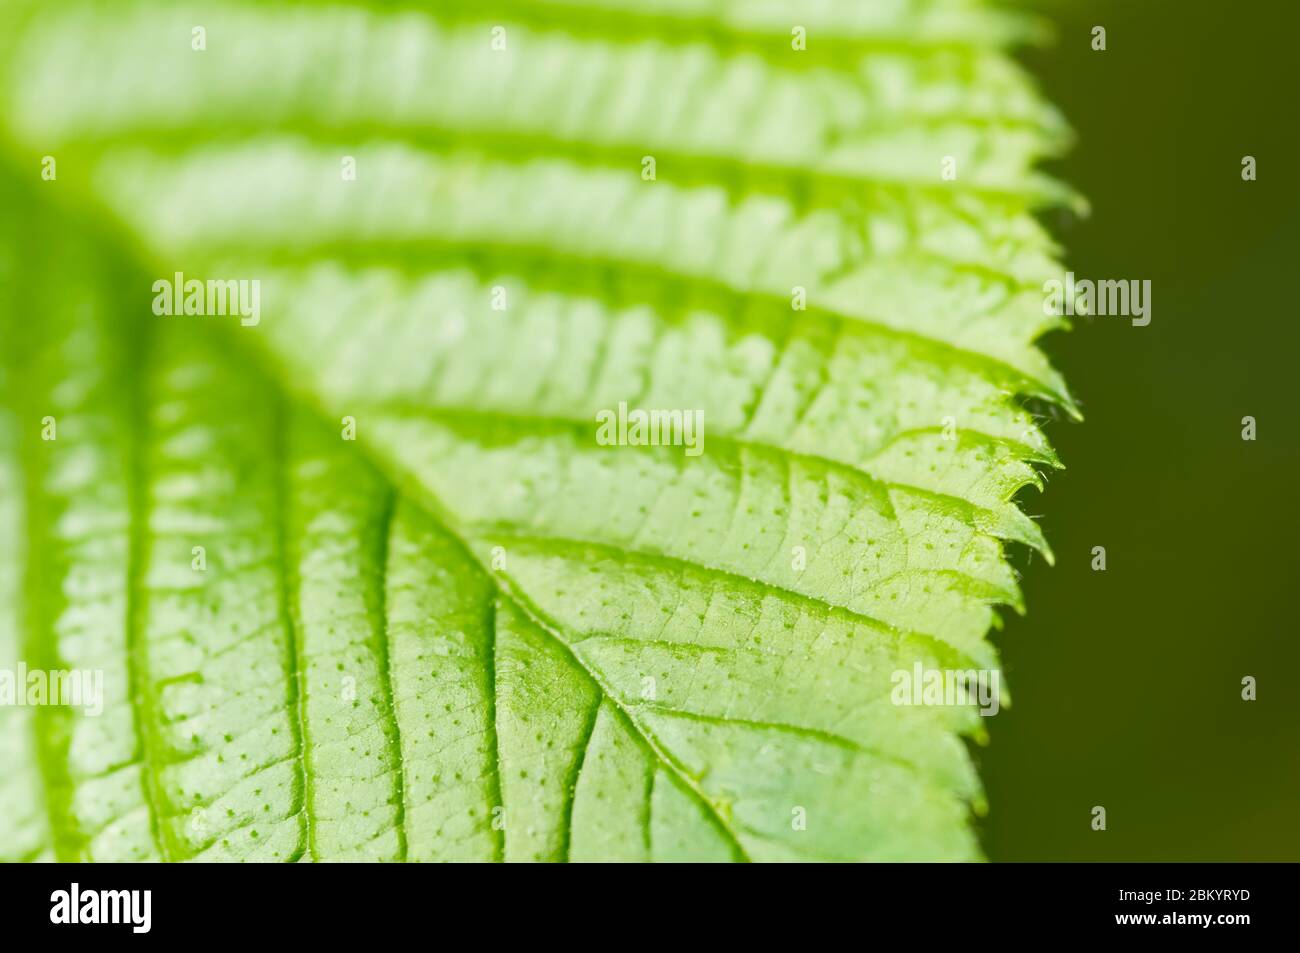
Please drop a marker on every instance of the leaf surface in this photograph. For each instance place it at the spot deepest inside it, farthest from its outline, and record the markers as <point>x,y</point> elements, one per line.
<point>476,632</point>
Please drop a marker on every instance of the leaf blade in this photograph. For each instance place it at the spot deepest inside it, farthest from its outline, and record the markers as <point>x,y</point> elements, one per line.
<point>614,566</point>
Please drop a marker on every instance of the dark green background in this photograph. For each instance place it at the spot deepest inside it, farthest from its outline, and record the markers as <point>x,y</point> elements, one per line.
<point>1127,682</point>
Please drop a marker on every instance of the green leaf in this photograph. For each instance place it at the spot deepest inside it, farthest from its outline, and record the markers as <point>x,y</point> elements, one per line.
<point>476,632</point>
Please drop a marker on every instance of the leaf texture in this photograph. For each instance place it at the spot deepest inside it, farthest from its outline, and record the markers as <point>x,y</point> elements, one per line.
<point>475,633</point>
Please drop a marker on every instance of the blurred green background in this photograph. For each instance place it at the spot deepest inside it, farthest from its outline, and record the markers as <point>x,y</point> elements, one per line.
<point>1127,682</point>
